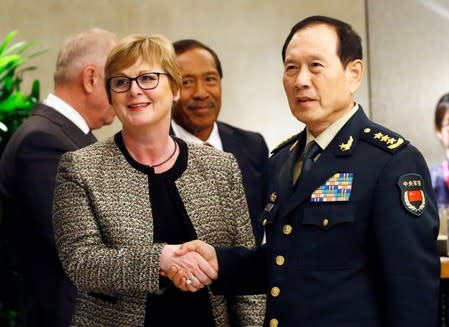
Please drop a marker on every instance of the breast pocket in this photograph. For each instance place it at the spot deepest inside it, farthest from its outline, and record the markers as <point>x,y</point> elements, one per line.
<point>328,237</point>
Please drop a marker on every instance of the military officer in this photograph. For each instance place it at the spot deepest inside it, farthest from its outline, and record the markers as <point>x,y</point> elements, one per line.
<point>350,220</point>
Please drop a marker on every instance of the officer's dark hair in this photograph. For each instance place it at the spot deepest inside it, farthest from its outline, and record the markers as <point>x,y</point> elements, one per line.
<point>185,45</point>
<point>440,110</point>
<point>350,43</point>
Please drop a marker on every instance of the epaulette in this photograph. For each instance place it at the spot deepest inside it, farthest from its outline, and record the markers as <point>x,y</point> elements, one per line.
<point>383,138</point>
<point>284,143</point>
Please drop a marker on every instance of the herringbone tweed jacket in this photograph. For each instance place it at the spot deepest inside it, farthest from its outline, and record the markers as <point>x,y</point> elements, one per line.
<point>103,228</point>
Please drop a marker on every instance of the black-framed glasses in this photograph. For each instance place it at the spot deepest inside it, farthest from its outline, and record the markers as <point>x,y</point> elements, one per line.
<point>147,81</point>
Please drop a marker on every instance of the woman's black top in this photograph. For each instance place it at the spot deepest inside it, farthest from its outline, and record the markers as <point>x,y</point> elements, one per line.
<point>171,225</point>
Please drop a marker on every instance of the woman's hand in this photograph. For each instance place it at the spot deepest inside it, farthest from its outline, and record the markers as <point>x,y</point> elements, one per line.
<point>187,269</point>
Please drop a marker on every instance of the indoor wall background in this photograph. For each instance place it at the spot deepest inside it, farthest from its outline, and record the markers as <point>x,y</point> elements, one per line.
<point>246,34</point>
<point>409,67</point>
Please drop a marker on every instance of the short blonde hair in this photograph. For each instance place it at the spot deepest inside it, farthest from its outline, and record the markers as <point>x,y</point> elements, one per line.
<point>80,50</point>
<point>153,49</point>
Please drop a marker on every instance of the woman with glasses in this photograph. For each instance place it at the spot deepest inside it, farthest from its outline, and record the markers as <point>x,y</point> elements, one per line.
<point>122,205</point>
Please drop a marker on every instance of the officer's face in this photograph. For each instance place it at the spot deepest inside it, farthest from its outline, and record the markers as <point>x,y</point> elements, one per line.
<point>200,101</point>
<point>318,88</point>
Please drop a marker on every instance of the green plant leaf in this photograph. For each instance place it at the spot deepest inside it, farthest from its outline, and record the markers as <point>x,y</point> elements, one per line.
<point>17,48</point>
<point>6,41</point>
<point>37,53</point>
<point>35,90</point>
<point>15,101</point>
<point>15,106</point>
<point>26,69</point>
<point>10,61</point>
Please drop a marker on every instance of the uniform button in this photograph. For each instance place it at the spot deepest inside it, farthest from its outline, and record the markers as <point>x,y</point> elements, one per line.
<point>325,222</point>
<point>264,222</point>
<point>275,291</point>
<point>274,323</point>
<point>287,229</point>
<point>280,260</point>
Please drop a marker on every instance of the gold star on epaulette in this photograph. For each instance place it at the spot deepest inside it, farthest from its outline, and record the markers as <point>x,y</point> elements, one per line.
<point>378,135</point>
<point>383,139</point>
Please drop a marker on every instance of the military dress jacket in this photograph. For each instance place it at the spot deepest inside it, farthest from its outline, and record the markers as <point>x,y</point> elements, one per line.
<point>103,227</point>
<point>352,244</point>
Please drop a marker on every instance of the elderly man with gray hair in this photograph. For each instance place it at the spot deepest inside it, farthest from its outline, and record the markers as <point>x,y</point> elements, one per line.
<point>63,122</point>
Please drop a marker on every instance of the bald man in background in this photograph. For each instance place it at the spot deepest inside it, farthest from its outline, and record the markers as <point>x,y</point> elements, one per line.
<point>63,122</point>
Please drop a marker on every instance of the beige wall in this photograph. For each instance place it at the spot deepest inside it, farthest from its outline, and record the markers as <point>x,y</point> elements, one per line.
<point>246,34</point>
<point>409,49</point>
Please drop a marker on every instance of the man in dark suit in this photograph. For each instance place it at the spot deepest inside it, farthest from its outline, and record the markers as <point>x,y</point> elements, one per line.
<point>350,217</point>
<point>195,119</point>
<point>28,169</point>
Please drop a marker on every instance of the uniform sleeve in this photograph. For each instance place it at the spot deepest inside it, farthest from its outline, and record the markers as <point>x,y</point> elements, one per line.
<point>87,260</point>
<point>243,310</point>
<point>405,244</point>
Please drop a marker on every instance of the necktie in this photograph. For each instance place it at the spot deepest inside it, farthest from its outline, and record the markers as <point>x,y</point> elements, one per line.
<point>309,154</point>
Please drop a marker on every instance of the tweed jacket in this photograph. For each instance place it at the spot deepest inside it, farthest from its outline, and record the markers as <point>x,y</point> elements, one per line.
<point>103,229</point>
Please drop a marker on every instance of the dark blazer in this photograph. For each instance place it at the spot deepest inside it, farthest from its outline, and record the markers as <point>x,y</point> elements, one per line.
<point>251,152</point>
<point>28,169</point>
<point>364,257</point>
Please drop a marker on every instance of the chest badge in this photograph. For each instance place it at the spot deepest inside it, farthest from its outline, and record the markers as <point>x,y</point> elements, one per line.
<point>412,193</point>
<point>337,188</point>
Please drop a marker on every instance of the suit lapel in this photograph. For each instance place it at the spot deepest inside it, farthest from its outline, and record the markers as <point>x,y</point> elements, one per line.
<point>230,144</point>
<point>73,133</point>
<point>76,135</point>
<point>332,160</point>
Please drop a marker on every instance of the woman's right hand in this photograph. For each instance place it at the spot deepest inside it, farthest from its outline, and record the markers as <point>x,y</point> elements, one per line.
<point>187,269</point>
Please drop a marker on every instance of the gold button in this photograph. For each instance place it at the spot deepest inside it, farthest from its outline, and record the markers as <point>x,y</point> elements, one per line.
<point>274,323</point>
<point>280,260</point>
<point>325,222</point>
<point>273,197</point>
<point>367,130</point>
<point>287,229</point>
<point>275,291</point>
<point>264,222</point>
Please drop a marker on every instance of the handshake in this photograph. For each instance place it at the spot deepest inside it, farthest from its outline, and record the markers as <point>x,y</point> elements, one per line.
<point>190,266</point>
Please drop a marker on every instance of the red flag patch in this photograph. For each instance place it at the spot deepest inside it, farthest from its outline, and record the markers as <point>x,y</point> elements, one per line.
<point>412,193</point>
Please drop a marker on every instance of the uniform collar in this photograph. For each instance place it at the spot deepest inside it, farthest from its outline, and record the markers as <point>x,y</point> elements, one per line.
<point>326,137</point>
